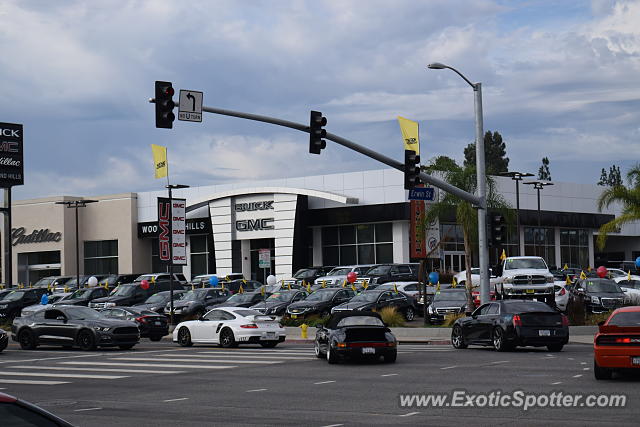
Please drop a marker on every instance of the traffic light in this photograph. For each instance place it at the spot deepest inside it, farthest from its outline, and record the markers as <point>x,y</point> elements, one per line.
<point>316,133</point>
<point>498,229</point>
<point>411,169</point>
<point>164,105</point>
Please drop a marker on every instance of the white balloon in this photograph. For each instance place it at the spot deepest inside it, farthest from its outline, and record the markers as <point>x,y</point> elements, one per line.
<point>271,280</point>
<point>92,281</point>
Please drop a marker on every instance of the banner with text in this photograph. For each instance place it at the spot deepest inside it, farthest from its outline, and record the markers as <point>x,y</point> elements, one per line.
<point>172,231</point>
<point>11,155</point>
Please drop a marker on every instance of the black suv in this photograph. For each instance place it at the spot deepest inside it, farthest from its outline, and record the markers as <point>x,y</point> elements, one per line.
<point>320,302</point>
<point>85,295</point>
<point>196,302</point>
<point>114,280</point>
<point>130,294</point>
<point>392,273</point>
<point>376,300</point>
<point>13,302</point>
<point>598,295</point>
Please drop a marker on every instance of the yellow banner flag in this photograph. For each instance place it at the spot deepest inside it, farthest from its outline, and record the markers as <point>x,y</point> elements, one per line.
<point>409,130</point>
<point>160,165</point>
<point>503,256</point>
<point>629,275</point>
<point>568,281</point>
<point>582,275</point>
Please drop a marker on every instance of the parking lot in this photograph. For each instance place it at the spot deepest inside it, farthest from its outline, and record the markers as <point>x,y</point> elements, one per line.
<point>162,384</point>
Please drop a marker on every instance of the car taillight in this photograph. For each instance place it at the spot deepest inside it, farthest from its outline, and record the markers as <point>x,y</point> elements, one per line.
<point>565,320</point>
<point>562,292</point>
<point>623,340</point>
<point>142,319</point>
<point>249,326</point>
<point>517,321</point>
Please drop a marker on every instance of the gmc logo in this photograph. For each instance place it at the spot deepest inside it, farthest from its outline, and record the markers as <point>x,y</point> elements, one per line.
<point>163,222</point>
<point>254,224</point>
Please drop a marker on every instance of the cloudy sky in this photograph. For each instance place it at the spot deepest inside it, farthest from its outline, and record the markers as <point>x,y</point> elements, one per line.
<point>560,79</point>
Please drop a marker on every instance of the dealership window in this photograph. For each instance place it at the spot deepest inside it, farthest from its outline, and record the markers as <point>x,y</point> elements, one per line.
<point>452,237</point>
<point>101,257</point>
<point>574,247</point>
<point>357,244</point>
<point>540,241</point>
<point>199,248</point>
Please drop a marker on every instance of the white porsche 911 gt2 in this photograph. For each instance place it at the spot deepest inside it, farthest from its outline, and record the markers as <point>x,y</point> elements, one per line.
<point>230,326</point>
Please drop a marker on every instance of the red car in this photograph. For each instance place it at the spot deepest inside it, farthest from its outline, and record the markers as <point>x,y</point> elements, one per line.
<point>16,412</point>
<point>476,297</point>
<point>616,346</point>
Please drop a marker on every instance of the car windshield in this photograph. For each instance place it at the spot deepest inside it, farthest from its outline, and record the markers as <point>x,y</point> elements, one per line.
<point>194,295</point>
<point>80,293</point>
<point>123,291</point>
<point>147,277</point>
<point>83,313</point>
<point>379,270</point>
<point>605,286</point>
<point>526,307</point>
<point>248,312</point>
<point>365,297</point>
<point>305,273</point>
<point>360,321</point>
<point>74,282</point>
<point>281,296</point>
<point>59,297</point>
<point>241,298</point>
<point>45,281</point>
<point>450,296</point>
<point>523,263</point>
<point>109,280</point>
<point>13,296</point>
<point>157,298</point>
<point>625,318</point>
<point>320,296</point>
<point>340,271</point>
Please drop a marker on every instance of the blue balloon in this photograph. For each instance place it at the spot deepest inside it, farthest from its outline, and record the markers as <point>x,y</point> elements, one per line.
<point>213,280</point>
<point>45,299</point>
<point>638,262</point>
<point>434,277</point>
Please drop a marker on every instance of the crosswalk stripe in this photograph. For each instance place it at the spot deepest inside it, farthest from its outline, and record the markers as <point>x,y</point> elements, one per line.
<point>97,369</point>
<point>35,382</point>
<point>48,374</point>
<point>230,353</point>
<point>151,365</point>
<point>180,359</point>
<point>259,352</point>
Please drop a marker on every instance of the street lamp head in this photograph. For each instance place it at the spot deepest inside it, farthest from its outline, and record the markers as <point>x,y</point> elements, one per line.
<point>176,186</point>
<point>517,176</point>
<point>538,185</point>
<point>436,66</point>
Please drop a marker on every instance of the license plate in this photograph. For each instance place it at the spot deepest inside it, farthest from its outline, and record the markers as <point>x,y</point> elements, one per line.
<point>544,333</point>
<point>635,360</point>
<point>368,350</point>
<point>294,316</point>
<point>271,335</point>
<point>531,291</point>
<point>158,323</point>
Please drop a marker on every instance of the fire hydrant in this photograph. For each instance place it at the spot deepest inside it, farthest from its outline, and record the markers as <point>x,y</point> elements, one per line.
<point>303,329</point>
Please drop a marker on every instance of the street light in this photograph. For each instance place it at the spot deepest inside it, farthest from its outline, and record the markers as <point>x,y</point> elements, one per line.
<point>517,177</point>
<point>77,204</point>
<point>483,252</point>
<point>170,265</point>
<point>538,185</point>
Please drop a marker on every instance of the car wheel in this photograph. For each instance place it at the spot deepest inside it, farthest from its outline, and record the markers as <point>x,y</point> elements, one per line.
<point>499,342</point>
<point>126,347</point>
<point>316,349</point>
<point>27,340</point>
<point>227,339</point>
<point>457,338</point>
<point>601,373</point>
<point>86,340</point>
<point>184,337</point>
<point>390,357</point>
<point>156,338</point>
<point>409,314</point>
<point>555,347</point>
<point>331,357</point>
<point>269,344</point>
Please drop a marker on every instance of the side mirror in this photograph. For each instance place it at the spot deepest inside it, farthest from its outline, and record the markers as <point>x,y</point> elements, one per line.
<point>387,330</point>
<point>474,316</point>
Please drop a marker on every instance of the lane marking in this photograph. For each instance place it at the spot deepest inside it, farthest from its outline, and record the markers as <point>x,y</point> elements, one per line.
<point>333,425</point>
<point>151,365</point>
<point>388,375</point>
<point>570,358</point>
<point>583,363</point>
<point>257,389</point>
<point>176,400</point>
<point>410,414</point>
<point>35,382</point>
<point>63,368</point>
<point>324,382</point>
<point>178,359</point>
<point>86,409</point>
<point>499,361</point>
<point>556,383</point>
<point>449,367</point>
<point>577,376</point>
<point>227,354</point>
<point>585,369</point>
<point>118,353</point>
<point>48,374</point>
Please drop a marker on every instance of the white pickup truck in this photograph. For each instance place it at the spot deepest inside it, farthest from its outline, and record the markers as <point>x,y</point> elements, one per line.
<point>525,277</point>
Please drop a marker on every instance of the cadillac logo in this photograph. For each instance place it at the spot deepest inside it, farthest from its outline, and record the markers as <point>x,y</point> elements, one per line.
<point>529,278</point>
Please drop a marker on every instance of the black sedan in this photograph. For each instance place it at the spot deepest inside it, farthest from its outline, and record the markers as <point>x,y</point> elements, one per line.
<point>320,302</point>
<point>195,302</point>
<point>355,335</point>
<point>71,326</point>
<point>85,295</point>
<point>278,302</point>
<point>510,323</point>
<point>446,302</point>
<point>151,324</point>
<point>4,340</point>
<point>377,299</point>
<point>157,302</point>
<point>246,299</point>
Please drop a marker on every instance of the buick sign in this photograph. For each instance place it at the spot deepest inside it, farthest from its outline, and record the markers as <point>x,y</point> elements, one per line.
<point>11,155</point>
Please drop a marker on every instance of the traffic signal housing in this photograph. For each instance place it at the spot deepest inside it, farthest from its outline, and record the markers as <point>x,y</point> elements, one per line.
<point>411,169</point>
<point>498,229</point>
<point>316,132</point>
<point>164,105</point>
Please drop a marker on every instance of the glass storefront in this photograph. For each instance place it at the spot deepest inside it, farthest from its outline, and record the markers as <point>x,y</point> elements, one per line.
<point>574,247</point>
<point>357,244</point>
<point>540,242</point>
<point>101,257</point>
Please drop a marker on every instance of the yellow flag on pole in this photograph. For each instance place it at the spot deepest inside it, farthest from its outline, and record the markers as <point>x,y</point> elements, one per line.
<point>565,267</point>
<point>629,275</point>
<point>160,165</point>
<point>454,283</point>
<point>568,281</point>
<point>409,130</point>
<point>503,256</point>
<point>582,275</point>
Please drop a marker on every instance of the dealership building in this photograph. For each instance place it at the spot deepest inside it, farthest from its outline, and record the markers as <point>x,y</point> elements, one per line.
<point>336,219</point>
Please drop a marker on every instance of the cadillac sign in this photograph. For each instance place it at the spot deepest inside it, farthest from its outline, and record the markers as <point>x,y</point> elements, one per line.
<point>11,155</point>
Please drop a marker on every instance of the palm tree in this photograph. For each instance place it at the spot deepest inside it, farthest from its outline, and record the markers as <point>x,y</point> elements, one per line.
<point>466,214</point>
<point>628,197</point>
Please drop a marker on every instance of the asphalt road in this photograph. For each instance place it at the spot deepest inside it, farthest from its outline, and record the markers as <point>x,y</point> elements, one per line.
<point>159,384</point>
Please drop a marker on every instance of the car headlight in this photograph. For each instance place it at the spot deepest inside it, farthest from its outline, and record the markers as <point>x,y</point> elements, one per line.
<point>595,300</point>
<point>102,328</point>
<point>430,309</point>
<point>550,279</point>
<point>3,306</point>
<point>507,280</point>
<point>110,304</point>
